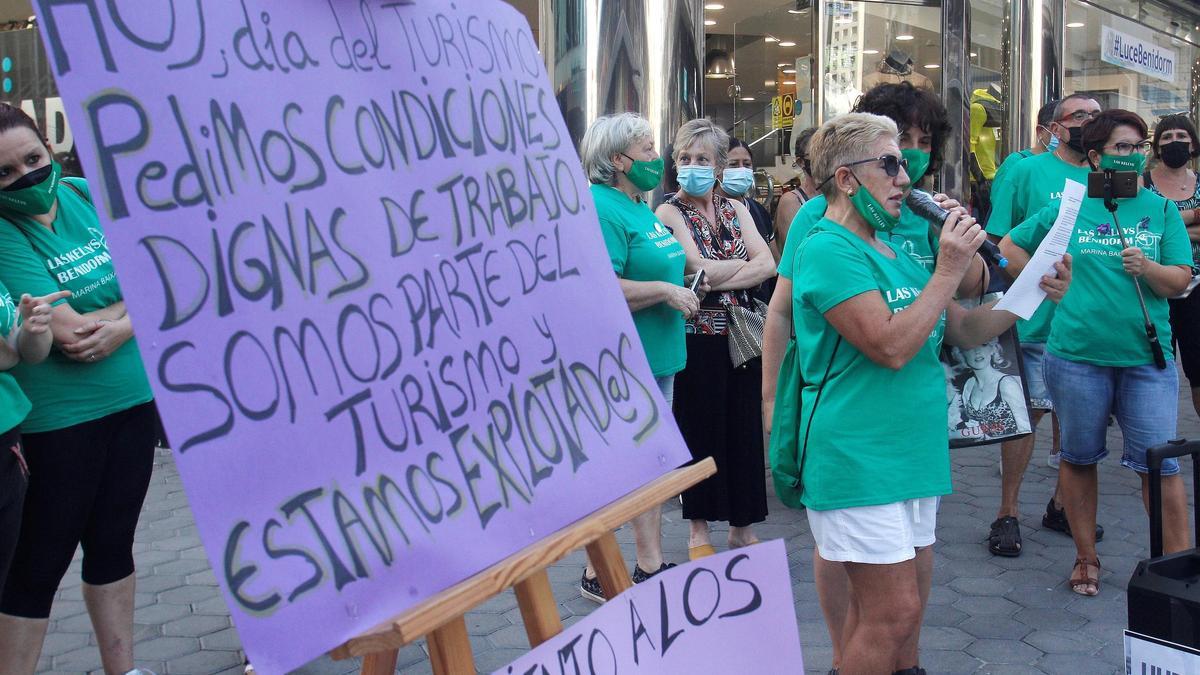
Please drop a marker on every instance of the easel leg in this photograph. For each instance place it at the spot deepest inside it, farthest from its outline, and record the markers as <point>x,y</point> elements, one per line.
<point>606,558</point>
<point>450,649</point>
<point>379,663</point>
<point>538,608</point>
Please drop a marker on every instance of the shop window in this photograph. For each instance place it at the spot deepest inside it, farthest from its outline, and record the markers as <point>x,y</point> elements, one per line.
<point>1127,64</point>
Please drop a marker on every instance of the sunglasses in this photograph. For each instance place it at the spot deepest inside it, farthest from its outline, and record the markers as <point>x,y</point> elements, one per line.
<point>891,166</point>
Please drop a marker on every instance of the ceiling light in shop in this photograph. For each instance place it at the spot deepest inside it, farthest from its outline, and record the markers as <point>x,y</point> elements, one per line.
<point>973,55</point>
<point>1076,24</point>
<point>789,83</point>
<point>771,38</point>
<point>869,52</point>
<point>787,43</point>
<point>746,98</point>
<point>904,37</point>
<point>784,65</point>
<point>789,71</point>
<point>714,6</point>
<point>769,83</point>
<point>710,22</point>
<point>932,66</point>
<point>797,11</point>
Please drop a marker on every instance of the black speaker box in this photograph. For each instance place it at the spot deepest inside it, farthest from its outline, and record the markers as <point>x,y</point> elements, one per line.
<point>1164,592</point>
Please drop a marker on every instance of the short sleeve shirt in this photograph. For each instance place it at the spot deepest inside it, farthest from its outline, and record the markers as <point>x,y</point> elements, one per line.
<point>1099,285</point>
<point>854,456</point>
<point>641,248</point>
<point>912,235</point>
<point>74,256</point>
<point>13,404</point>
<point>1032,183</point>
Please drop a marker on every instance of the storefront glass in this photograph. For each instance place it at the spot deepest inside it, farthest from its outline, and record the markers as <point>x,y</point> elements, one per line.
<point>868,43</point>
<point>1128,64</point>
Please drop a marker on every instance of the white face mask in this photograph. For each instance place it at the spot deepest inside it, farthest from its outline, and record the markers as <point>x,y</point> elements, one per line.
<point>737,181</point>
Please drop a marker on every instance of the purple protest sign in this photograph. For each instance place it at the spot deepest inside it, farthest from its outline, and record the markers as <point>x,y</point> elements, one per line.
<point>729,613</point>
<point>370,290</point>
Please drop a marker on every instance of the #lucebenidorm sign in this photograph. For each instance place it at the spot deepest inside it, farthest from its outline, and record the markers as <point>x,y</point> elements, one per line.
<point>370,290</point>
<point>1122,46</point>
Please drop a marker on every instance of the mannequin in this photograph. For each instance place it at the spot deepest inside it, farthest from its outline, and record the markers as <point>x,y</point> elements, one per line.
<point>894,68</point>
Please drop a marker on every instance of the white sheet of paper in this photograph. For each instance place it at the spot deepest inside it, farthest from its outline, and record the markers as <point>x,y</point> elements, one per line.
<point>1025,295</point>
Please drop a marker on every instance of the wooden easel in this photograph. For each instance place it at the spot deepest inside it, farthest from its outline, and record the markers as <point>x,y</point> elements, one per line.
<point>441,618</point>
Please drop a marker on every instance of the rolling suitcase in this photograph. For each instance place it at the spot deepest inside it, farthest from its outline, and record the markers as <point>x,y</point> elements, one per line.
<point>1164,592</point>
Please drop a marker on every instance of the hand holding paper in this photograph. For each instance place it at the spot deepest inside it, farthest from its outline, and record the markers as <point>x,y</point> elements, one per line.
<point>1026,293</point>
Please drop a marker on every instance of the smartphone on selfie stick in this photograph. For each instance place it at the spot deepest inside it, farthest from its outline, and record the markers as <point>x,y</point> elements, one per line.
<point>1110,186</point>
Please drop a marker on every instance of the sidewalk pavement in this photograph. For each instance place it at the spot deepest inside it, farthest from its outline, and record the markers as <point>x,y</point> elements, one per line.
<point>986,614</point>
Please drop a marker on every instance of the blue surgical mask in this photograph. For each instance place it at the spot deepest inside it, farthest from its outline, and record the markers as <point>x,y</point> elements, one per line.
<point>696,180</point>
<point>738,181</point>
<point>1053,144</point>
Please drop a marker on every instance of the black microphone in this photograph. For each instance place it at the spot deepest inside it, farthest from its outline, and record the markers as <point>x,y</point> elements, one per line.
<point>922,204</point>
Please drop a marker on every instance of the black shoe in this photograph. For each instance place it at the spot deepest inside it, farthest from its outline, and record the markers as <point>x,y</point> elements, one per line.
<point>639,575</point>
<point>1005,537</point>
<point>591,589</point>
<point>1056,519</point>
<point>915,670</point>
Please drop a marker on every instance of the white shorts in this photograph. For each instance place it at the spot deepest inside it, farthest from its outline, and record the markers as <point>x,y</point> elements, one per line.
<point>878,535</point>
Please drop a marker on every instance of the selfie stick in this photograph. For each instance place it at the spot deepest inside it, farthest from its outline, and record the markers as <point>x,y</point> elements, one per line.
<point>1151,333</point>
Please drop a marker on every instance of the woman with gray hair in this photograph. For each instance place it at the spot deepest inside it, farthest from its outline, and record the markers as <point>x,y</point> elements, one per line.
<point>621,163</point>
<point>719,407</point>
<point>869,322</point>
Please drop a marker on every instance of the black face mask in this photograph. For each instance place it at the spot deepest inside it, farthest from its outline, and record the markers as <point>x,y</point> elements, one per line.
<point>1176,153</point>
<point>1075,141</point>
<point>34,177</point>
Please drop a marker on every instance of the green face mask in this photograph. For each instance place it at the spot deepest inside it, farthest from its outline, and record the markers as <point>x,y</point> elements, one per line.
<point>918,163</point>
<point>33,194</point>
<point>1135,162</point>
<point>871,210</point>
<point>644,175</point>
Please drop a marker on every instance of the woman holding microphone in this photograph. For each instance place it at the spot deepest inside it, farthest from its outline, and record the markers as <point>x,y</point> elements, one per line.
<point>1098,359</point>
<point>869,322</point>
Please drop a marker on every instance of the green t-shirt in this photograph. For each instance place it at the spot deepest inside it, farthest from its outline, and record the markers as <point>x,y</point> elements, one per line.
<point>643,249</point>
<point>1032,183</point>
<point>913,235</point>
<point>1009,162</point>
<point>1100,290</point>
<point>13,404</point>
<point>75,257</point>
<point>879,435</point>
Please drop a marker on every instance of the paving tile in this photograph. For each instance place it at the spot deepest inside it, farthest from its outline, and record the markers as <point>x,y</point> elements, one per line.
<point>994,627</point>
<point>987,606</point>
<point>1063,642</point>
<point>1003,651</point>
<point>197,625</point>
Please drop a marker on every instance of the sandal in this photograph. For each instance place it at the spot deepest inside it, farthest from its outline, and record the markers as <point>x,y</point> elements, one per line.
<point>701,551</point>
<point>1005,537</point>
<point>1081,576</point>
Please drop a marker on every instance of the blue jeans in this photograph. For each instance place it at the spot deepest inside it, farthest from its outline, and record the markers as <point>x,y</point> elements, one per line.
<point>1143,398</point>
<point>1032,356</point>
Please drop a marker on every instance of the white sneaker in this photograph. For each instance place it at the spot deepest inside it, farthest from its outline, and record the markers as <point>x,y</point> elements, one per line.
<point>141,671</point>
<point>1052,460</point>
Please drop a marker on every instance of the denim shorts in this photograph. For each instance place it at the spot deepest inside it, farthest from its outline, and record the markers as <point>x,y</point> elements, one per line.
<point>1143,398</point>
<point>666,385</point>
<point>1032,355</point>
